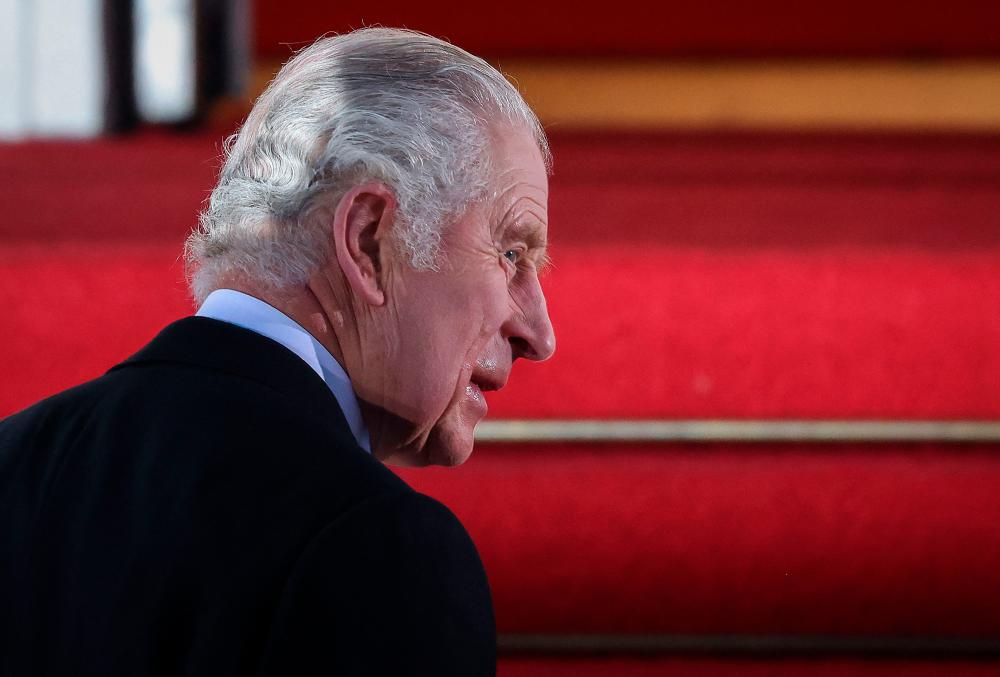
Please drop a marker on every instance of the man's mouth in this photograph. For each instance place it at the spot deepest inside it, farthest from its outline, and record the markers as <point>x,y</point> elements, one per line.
<point>488,376</point>
<point>488,381</point>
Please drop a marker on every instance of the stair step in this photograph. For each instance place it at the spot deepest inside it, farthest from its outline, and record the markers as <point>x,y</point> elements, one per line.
<point>783,539</point>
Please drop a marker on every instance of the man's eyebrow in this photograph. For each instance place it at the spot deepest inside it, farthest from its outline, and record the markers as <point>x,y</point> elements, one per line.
<point>529,232</point>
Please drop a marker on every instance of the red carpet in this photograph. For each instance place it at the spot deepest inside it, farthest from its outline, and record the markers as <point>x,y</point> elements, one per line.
<point>150,186</point>
<point>714,276</point>
<point>828,540</point>
<point>711,667</point>
<point>561,28</point>
<point>695,277</point>
<point>72,311</point>
<point>643,331</point>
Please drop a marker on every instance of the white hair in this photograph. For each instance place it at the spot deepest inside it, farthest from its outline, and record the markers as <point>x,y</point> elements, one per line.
<point>393,105</point>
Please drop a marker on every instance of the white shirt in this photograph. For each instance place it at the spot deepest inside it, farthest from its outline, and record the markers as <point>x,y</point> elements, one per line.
<point>251,313</point>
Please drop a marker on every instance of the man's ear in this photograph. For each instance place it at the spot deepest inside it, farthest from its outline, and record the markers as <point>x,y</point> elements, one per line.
<point>361,222</point>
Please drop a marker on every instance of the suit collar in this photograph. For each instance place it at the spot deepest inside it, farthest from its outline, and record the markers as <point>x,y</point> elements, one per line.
<point>224,347</point>
<point>249,312</point>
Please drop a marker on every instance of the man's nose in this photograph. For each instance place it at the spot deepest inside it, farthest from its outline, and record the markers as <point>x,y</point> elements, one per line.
<point>530,330</point>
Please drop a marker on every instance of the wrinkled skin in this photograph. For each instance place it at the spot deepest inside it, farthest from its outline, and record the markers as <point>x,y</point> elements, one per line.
<point>421,346</point>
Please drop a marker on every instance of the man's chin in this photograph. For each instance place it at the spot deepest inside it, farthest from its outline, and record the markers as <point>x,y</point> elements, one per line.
<point>448,443</point>
<point>443,455</point>
<point>448,447</point>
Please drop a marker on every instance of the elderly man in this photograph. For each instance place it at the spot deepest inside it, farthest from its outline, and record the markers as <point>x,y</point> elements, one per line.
<point>217,504</point>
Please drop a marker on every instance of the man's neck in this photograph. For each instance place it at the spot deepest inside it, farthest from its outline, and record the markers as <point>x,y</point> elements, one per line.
<point>302,306</point>
<point>322,309</point>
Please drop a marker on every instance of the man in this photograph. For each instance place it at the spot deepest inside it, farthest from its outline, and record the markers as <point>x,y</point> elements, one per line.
<point>217,504</point>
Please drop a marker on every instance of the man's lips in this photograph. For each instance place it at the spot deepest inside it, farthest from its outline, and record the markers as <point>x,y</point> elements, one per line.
<point>487,381</point>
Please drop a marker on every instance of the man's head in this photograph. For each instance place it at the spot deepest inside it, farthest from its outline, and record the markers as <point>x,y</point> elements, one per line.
<point>389,192</point>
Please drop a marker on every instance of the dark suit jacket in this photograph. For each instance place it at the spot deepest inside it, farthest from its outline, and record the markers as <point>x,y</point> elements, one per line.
<point>203,509</point>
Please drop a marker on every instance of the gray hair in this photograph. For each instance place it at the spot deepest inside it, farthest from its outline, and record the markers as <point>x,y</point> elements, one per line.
<point>393,105</point>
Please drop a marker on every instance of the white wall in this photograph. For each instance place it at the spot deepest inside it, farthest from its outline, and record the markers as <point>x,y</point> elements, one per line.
<point>13,104</point>
<point>52,68</point>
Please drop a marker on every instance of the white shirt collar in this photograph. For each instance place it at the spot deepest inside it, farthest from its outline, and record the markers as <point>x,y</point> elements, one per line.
<point>251,313</point>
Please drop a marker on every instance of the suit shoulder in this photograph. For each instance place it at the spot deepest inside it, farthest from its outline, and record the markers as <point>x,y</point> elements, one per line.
<point>416,519</point>
<point>414,547</point>
<point>398,565</point>
<point>53,420</point>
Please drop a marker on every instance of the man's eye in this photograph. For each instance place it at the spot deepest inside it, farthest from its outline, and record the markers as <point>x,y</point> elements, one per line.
<point>512,255</point>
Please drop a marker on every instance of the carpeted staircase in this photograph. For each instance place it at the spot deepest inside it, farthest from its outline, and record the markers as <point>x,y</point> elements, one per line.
<point>699,276</point>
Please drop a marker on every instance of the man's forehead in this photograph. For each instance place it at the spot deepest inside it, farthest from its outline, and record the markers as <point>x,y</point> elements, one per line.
<point>523,215</point>
<point>520,196</point>
<point>518,199</point>
<point>515,153</point>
